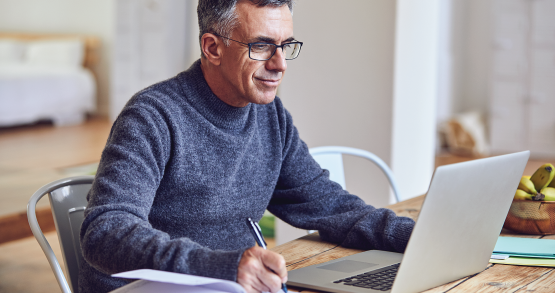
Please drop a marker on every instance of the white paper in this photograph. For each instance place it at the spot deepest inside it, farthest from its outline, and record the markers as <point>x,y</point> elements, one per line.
<point>164,281</point>
<point>499,256</point>
<point>168,282</point>
<point>144,286</point>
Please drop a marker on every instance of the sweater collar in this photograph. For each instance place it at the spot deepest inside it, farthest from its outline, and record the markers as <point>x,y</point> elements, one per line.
<point>200,96</point>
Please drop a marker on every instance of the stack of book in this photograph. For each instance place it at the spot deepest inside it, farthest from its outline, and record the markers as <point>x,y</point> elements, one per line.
<point>524,252</point>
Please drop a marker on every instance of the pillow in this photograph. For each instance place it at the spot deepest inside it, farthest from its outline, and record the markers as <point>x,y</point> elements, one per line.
<point>11,51</point>
<point>56,53</point>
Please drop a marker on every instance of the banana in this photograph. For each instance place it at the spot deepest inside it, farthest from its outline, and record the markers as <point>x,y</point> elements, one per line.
<point>543,176</point>
<point>552,184</point>
<point>538,197</point>
<point>527,185</point>
<point>549,193</point>
<point>522,195</point>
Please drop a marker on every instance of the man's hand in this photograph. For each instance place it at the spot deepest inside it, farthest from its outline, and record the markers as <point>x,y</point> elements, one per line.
<point>255,270</point>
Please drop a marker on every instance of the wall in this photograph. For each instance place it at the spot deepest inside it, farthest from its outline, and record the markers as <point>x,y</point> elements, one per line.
<point>476,57</point>
<point>367,78</point>
<point>481,47</point>
<point>339,89</point>
<point>66,16</point>
<point>467,57</point>
<point>151,44</point>
<point>193,49</point>
<point>417,44</point>
<point>523,70</point>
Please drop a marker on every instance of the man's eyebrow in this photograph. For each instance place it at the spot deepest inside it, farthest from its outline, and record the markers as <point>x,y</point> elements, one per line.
<point>270,40</point>
<point>288,40</point>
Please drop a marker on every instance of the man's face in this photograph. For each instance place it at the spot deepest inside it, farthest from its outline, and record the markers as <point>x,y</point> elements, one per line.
<point>251,81</point>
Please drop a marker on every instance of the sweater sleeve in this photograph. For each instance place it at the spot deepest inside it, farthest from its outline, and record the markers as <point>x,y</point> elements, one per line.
<point>116,234</point>
<point>306,198</point>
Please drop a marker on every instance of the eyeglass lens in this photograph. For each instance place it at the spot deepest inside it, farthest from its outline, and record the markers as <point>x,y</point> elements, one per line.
<point>265,51</point>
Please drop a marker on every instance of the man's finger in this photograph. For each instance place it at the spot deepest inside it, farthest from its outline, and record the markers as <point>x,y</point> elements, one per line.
<point>270,280</point>
<point>276,263</point>
<point>259,286</point>
<point>261,270</point>
<point>252,284</point>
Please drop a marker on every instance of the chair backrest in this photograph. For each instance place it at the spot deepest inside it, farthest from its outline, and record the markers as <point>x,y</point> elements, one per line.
<point>68,202</point>
<point>331,158</point>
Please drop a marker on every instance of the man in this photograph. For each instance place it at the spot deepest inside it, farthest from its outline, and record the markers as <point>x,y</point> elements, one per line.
<point>190,158</point>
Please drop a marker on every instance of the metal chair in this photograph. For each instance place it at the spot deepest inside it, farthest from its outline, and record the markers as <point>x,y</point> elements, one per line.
<point>330,157</point>
<point>68,201</point>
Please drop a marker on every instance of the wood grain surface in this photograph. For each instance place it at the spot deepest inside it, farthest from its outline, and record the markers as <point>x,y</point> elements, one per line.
<point>16,226</point>
<point>310,250</point>
<point>24,268</point>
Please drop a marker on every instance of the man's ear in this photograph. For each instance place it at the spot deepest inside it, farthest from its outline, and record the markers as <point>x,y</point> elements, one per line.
<point>211,47</point>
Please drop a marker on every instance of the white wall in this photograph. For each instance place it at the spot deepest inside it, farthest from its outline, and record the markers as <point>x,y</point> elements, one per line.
<point>415,94</point>
<point>476,57</point>
<point>151,44</point>
<point>193,49</point>
<point>467,50</point>
<point>377,93</point>
<point>94,17</point>
<point>339,89</point>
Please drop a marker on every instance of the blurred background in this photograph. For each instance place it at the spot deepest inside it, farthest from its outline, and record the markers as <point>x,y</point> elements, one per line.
<point>420,83</point>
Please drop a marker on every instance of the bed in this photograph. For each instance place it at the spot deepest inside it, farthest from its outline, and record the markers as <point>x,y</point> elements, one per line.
<point>46,77</point>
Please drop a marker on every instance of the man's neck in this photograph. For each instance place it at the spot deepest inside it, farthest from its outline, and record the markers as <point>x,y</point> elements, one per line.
<point>215,83</point>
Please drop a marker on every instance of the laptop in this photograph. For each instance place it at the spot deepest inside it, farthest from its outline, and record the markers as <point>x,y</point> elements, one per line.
<point>458,226</point>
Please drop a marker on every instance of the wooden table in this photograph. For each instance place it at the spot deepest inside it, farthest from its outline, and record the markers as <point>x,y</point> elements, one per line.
<point>310,250</point>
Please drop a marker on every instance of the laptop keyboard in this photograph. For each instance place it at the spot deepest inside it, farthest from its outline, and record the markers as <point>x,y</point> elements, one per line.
<point>380,279</point>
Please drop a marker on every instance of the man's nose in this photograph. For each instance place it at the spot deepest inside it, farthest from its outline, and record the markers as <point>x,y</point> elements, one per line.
<point>277,62</point>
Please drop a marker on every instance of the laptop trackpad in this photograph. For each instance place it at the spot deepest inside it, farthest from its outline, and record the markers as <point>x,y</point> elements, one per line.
<point>347,266</point>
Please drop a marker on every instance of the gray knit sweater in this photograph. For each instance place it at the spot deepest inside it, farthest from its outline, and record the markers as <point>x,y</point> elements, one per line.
<point>182,170</point>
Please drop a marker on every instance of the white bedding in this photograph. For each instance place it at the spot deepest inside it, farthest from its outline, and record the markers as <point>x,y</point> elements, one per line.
<point>29,93</point>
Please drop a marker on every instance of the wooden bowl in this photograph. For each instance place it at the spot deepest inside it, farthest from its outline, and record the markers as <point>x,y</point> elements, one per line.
<point>531,217</point>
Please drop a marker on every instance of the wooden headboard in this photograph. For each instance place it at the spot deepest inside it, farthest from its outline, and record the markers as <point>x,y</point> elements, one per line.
<point>92,44</point>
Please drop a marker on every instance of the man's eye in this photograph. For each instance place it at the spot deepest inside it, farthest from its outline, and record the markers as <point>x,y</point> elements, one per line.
<point>260,47</point>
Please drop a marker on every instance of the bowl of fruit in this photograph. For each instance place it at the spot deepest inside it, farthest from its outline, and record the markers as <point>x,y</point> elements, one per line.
<point>533,207</point>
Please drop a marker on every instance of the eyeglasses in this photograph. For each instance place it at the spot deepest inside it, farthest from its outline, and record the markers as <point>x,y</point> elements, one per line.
<point>262,51</point>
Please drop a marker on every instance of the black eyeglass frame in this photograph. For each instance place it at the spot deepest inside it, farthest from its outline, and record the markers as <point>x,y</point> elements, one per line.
<point>275,47</point>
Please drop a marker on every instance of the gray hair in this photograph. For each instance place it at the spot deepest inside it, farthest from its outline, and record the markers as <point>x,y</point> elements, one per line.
<point>218,16</point>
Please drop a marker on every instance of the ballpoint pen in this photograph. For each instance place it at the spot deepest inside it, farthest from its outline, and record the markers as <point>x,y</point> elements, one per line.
<point>257,233</point>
